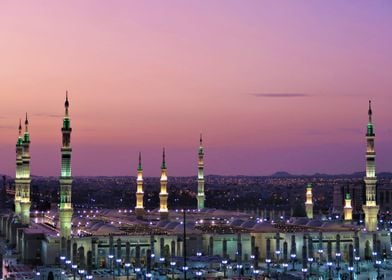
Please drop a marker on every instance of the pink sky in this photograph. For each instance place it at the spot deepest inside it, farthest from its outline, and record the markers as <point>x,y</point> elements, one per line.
<point>143,75</point>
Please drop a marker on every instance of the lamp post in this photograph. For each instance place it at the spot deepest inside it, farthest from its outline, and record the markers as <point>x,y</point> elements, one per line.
<point>62,261</point>
<point>89,277</point>
<point>67,263</point>
<point>111,264</point>
<point>338,255</point>
<point>268,261</point>
<point>137,270</point>
<point>304,271</point>
<point>378,264</point>
<point>357,259</point>
<point>329,264</point>
<point>224,264</point>
<point>172,264</point>
<point>74,267</point>
<point>320,251</point>
<point>38,274</point>
<point>148,275</point>
<point>310,260</point>
<point>292,257</point>
<point>81,272</point>
<point>239,268</point>
<point>256,273</point>
<point>127,265</point>
<point>118,261</point>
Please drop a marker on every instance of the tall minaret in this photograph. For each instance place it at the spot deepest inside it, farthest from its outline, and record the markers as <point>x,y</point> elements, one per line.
<point>25,202</point>
<point>309,202</point>
<point>348,209</point>
<point>163,194</point>
<point>66,211</point>
<point>200,177</point>
<point>370,208</point>
<point>19,171</point>
<point>139,209</point>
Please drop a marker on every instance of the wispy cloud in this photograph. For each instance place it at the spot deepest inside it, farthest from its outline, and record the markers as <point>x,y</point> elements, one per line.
<point>281,95</point>
<point>47,115</point>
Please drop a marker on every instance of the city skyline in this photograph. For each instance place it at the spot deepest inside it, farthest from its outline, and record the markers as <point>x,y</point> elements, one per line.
<point>272,87</point>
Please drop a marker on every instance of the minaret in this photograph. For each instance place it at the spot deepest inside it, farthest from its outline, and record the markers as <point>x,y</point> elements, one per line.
<point>309,202</point>
<point>66,211</point>
<point>19,171</point>
<point>200,177</point>
<point>370,208</point>
<point>348,209</point>
<point>25,202</point>
<point>163,194</point>
<point>139,209</point>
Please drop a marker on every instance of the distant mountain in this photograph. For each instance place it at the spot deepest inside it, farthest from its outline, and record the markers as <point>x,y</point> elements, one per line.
<point>281,174</point>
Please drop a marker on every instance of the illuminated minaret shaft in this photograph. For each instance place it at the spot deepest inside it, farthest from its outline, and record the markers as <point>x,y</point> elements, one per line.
<point>348,209</point>
<point>19,171</point>
<point>25,202</point>
<point>200,177</point>
<point>66,211</point>
<point>139,209</point>
<point>163,210</point>
<point>370,208</point>
<point>309,202</point>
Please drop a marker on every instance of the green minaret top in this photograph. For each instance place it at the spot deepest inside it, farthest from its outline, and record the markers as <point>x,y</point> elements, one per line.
<point>20,139</point>
<point>139,168</point>
<point>309,186</point>
<point>66,121</point>
<point>348,196</point>
<point>370,129</point>
<point>26,134</point>
<point>163,166</point>
<point>201,151</point>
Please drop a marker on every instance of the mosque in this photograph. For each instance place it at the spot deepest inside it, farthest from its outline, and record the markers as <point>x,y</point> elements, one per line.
<point>92,239</point>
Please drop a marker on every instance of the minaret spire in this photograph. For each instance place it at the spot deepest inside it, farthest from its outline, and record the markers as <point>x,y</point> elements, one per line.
<point>163,195</point>
<point>65,208</point>
<point>370,208</point>
<point>139,209</point>
<point>200,176</point>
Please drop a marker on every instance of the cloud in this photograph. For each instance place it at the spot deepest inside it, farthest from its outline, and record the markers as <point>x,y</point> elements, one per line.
<point>46,115</point>
<point>281,95</point>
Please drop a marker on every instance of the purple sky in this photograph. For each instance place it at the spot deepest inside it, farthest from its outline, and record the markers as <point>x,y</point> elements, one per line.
<point>272,85</point>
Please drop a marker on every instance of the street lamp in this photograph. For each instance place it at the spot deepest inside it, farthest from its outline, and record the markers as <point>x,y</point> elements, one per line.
<point>38,274</point>
<point>285,265</point>
<point>118,261</point>
<point>172,264</point>
<point>161,260</point>
<point>127,265</point>
<point>199,274</point>
<point>304,270</point>
<point>329,264</point>
<point>320,251</point>
<point>310,260</point>
<point>378,264</point>
<point>277,252</point>
<point>62,259</point>
<point>239,268</point>
<point>224,264</point>
<point>338,262</point>
<point>137,270</point>
<point>81,272</point>
<point>74,267</point>
<point>256,273</point>
<point>111,264</point>
<point>357,259</point>
<point>292,257</point>
<point>268,261</point>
